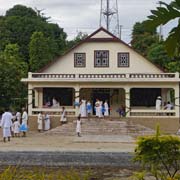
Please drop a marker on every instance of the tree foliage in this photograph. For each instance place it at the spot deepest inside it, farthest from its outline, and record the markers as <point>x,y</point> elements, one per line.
<point>39,51</point>
<point>143,38</point>
<point>163,15</point>
<point>12,69</point>
<point>159,155</point>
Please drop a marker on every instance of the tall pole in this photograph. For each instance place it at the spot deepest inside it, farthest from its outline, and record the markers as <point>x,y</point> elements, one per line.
<point>108,15</point>
<point>100,22</point>
<point>160,27</point>
<point>120,31</point>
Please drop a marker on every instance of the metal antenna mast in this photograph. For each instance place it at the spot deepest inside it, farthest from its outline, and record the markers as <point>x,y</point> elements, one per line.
<point>109,16</point>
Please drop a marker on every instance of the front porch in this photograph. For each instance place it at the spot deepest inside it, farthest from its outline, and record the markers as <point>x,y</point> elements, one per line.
<point>128,90</point>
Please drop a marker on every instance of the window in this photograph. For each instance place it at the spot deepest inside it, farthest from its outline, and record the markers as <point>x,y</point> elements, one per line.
<point>79,60</point>
<point>101,58</point>
<point>123,59</point>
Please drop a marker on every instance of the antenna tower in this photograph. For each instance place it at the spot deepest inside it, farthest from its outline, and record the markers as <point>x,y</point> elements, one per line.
<point>109,16</point>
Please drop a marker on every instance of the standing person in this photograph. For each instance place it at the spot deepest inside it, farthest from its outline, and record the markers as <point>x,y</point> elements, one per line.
<point>83,108</point>
<point>40,122</point>
<point>106,108</point>
<point>16,126</point>
<point>46,122</point>
<point>100,109</point>
<point>158,103</point>
<point>24,124</point>
<point>63,116</point>
<point>18,116</point>
<point>6,124</point>
<point>78,126</point>
<point>89,109</point>
<point>97,104</point>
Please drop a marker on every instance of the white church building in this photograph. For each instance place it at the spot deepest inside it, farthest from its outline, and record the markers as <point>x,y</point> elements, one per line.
<point>104,67</point>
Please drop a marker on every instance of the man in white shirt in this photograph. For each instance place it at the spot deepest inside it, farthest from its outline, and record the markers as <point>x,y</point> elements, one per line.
<point>6,124</point>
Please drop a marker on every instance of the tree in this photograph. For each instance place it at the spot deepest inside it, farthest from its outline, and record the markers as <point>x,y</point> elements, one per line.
<point>159,155</point>
<point>143,38</point>
<point>158,55</point>
<point>12,69</point>
<point>80,36</point>
<point>18,25</point>
<point>39,51</point>
<point>163,15</point>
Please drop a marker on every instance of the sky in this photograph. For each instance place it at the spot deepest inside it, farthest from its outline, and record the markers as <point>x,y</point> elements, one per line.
<point>84,15</point>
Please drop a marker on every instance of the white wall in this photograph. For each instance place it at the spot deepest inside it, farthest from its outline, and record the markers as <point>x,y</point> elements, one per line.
<point>138,64</point>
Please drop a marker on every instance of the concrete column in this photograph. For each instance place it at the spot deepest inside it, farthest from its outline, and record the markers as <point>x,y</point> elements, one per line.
<point>40,98</point>
<point>30,99</point>
<point>36,94</point>
<point>77,94</point>
<point>127,101</point>
<point>177,100</point>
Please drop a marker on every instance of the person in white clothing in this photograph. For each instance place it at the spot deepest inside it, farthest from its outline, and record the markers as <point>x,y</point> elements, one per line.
<point>18,116</point>
<point>100,109</point>
<point>24,124</point>
<point>158,103</point>
<point>16,127</point>
<point>106,109</point>
<point>83,112</point>
<point>168,106</point>
<point>97,107</point>
<point>46,122</point>
<point>40,122</point>
<point>63,116</point>
<point>6,124</point>
<point>78,126</point>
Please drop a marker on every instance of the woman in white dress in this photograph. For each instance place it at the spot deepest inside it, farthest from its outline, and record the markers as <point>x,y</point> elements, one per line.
<point>78,126</point>
<point>83,108</point>
<point>63,116</point>
<point>97,107</point>
<point>158,103</point>
<point>24,125</point>
<point>106,108</point>
<point>16,126</point>
<point>40,122</point>
<point>46,122</point>
<point>100,109</point>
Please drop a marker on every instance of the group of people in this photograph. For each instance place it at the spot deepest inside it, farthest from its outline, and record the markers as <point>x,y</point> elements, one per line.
<point>101,109</point>
<point>13,124</point>
<point>167,106</point>
<point>43,122</point>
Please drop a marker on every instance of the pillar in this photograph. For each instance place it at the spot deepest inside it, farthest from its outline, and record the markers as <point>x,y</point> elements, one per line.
<point>36,94</point>
<point>77,94</point>
<point>177,100</point>
<point>40,97</point>
<point>30,99</point>
<point>127,101</point>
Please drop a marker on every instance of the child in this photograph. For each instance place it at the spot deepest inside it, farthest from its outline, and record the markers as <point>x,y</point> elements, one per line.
<point>16,127</point>
<point>78,126</point>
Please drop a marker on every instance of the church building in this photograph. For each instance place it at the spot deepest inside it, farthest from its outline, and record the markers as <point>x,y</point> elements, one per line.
<point>103,67</point>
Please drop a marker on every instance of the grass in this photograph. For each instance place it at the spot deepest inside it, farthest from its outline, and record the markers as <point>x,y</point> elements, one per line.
<point>18,173</point>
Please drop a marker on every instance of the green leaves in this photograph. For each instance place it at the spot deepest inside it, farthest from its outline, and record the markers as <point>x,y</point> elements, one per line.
<point>162,16</point>
<point>159,155</point>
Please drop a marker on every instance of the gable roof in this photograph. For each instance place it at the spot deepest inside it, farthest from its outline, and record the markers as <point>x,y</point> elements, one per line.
<point>92,38</point>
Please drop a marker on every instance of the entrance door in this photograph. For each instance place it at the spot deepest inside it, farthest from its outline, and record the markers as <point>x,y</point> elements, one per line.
<point>101,94</point>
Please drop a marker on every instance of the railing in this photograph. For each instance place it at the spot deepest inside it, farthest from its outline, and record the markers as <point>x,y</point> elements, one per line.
<point>58,76</point>
<point>82,76</point>
<point>152,113</point>
<point>54,112</point>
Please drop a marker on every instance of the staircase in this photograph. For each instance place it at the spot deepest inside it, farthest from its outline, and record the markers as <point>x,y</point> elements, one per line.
<point>102,127</point>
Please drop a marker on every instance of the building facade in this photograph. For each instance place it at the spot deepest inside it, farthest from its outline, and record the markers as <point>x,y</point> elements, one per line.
<point>104,67</point>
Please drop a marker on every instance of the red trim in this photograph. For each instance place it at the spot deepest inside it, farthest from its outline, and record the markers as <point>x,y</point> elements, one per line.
<point>89,39</point>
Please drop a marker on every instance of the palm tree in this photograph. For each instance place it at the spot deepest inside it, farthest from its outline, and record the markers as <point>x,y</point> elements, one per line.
<point>162,16</point>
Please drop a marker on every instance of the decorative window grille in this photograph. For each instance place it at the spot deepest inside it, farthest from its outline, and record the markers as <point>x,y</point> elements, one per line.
<point>101,58</point>
<point>79,60</point>
<point>123,59</point>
